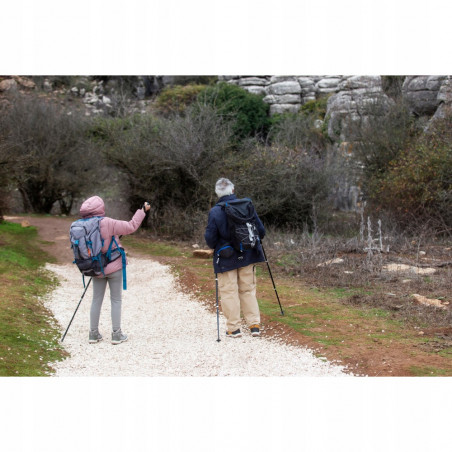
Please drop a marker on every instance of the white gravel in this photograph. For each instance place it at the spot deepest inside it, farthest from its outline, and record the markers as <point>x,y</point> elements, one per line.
<point>170,334</point>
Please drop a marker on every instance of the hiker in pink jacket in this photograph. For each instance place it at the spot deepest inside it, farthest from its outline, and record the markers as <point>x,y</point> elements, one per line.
<point>94,207</point>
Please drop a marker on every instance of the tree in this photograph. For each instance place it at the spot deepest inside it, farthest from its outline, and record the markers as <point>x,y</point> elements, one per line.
<point>8,166</point>
<point>170,161</point>
<point>57,163</point>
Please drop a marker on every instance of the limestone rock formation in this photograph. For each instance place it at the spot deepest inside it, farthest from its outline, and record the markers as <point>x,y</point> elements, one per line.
<point>359,97</point>
<point>421,93</point>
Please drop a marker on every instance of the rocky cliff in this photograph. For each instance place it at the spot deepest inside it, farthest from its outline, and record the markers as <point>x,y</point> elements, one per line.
<point>351,98</point>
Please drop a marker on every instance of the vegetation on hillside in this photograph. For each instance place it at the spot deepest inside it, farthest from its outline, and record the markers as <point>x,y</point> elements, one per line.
<point>200,131</point>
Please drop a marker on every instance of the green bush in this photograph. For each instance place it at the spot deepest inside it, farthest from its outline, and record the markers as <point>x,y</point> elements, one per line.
<point>248,110</point>
<point>316,108</point>
<point>175,99</point>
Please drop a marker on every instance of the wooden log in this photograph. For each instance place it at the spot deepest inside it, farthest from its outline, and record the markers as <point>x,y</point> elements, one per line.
<point>203,254</point>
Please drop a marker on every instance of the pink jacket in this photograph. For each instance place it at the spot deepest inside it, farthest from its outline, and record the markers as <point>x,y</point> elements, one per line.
<point>95,207</point>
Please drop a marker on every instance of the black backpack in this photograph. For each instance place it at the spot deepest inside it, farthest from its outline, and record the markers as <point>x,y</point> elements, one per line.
<point>241,223</point>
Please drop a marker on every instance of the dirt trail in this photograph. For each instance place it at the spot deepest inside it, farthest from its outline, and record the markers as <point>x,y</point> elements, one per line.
<point>170,332</point>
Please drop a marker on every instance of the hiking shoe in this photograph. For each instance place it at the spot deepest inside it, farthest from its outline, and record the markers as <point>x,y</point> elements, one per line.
<point>94,336</point>
<point>117,337</point>
<point>255,330</point>
<point>235,333</point>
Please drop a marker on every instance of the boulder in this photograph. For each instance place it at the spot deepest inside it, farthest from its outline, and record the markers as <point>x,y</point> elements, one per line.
<point>445,102</point>
<point>284,99</point>
<point>445,92</point>
<point>284,108</point>
<point>328,84</point>
<point>253,81</point>
<point>421,93</point>
<point>408,269</point>
<point>337,260</point>
<point>25,82</point>
<point>286,87</point>
<point>306,83</point>
<point>8,84</point>
<point>47,85</point>
<point>351,107</point>
<point>259,90</point>
<point>428,301</point>
<point>282,78</point>
<point>360,82</point>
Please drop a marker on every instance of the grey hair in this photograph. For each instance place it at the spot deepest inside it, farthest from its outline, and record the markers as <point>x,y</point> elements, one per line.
<point>224,187</point>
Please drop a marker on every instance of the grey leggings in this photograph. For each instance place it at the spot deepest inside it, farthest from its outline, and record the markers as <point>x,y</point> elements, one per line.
<point>99,285</point>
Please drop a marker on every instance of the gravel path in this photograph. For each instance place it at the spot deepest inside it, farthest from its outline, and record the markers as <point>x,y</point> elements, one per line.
<point>170,334</point>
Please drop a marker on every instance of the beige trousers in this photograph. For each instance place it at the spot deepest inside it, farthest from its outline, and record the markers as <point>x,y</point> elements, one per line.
<point>238,291</point>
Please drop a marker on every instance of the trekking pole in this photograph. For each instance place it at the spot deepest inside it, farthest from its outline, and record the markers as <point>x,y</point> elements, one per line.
<point>86,288</point>
<point>271,276</point>
<point>218,312</point>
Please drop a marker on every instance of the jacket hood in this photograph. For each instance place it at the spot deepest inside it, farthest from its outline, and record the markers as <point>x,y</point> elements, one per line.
<point>227,198</point>
<point>93,207</point>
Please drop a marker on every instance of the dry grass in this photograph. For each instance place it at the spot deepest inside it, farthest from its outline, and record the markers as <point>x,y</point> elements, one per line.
<point>350,263</point>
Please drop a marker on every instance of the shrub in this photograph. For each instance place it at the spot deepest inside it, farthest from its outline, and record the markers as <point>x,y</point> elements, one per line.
<point>170,161</point>
<point>289,188</point>
<point>417,187</point>
<point>316,108</point>
<point>392,85</point>
<point>177,98</point>
<point>299,131</point>
<point>248,110</point>
<point>380,140</point>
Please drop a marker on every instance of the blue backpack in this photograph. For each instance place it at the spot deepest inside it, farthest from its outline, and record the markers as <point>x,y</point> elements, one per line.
<point>87,243</point>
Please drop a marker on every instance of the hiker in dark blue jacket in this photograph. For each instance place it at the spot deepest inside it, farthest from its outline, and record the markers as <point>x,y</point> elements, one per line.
<point>235,269</point>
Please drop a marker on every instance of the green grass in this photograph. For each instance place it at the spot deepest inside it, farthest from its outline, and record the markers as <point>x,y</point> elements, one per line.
<point>446,352</point>
<point>429,371</point>
<point>29,337</point>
